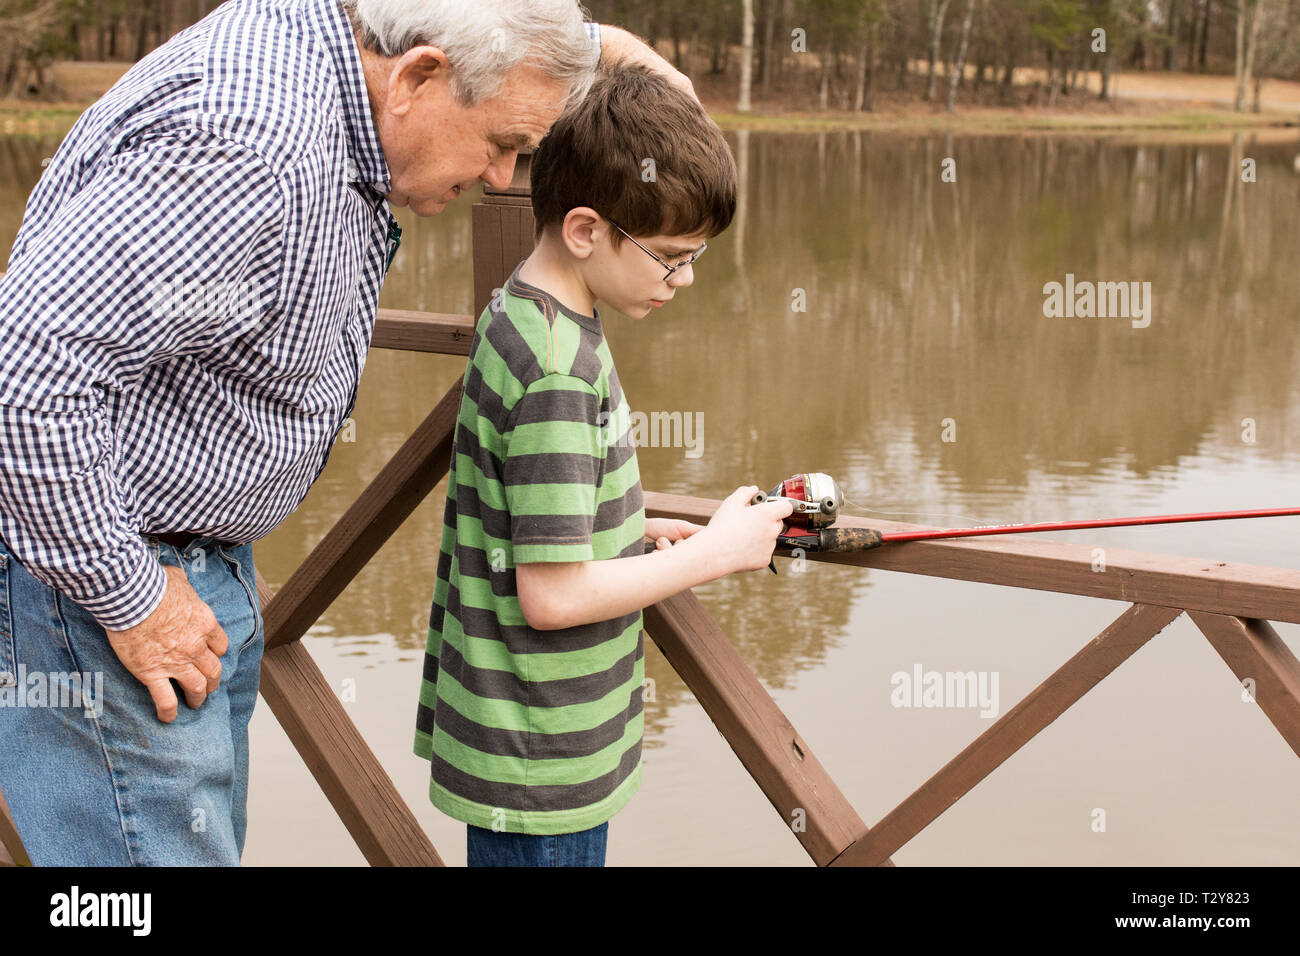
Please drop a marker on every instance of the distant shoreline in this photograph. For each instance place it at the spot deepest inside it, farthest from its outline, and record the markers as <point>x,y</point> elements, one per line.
<point>1194,110</point>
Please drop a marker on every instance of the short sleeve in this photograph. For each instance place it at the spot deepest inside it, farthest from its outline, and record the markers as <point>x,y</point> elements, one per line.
<point>554,458</point>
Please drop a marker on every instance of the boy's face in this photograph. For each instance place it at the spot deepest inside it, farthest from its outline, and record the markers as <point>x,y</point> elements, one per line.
<point>629,279</point>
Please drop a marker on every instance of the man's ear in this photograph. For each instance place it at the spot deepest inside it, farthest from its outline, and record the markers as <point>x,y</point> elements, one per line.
<point>582,228</point>
<point>417,73</point>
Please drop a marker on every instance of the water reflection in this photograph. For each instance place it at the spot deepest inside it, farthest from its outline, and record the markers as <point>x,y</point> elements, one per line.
<point>922,313</point>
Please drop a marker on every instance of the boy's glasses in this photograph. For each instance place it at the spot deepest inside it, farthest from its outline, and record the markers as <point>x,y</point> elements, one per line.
<point>671,268</point>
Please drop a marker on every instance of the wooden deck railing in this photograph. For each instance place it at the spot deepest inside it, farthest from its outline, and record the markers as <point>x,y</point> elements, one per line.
<point>1232,605</point>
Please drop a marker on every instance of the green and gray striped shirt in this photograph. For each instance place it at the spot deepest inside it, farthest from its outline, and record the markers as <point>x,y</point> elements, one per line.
<point>533,731</point>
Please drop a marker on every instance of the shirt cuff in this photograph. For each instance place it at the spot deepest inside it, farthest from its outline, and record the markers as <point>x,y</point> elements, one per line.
<point>132,600</point>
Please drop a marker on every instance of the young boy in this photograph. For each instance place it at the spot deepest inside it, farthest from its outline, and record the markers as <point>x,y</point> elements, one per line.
<point>531,704</point>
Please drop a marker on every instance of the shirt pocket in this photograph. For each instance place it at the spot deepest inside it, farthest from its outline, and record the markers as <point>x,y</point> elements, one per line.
<point>8,667</point>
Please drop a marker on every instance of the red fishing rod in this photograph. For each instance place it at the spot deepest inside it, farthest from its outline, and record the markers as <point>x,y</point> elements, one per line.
<point>980,530</point>
<point>817,500</point>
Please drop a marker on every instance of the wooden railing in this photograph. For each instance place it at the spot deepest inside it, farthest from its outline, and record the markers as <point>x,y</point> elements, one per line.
<point>1232,605</point>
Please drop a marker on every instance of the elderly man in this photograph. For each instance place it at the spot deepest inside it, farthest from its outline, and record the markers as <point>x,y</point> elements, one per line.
<point>185,317</point>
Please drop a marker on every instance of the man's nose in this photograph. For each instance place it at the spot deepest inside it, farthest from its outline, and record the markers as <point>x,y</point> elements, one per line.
<point>499,173</point>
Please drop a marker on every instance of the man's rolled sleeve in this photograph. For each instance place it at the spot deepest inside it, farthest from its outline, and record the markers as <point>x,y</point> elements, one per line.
<point>552,469</point>
<point>167,250</point>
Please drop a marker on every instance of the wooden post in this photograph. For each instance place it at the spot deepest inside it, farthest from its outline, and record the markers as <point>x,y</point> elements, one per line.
<point>503,233</point>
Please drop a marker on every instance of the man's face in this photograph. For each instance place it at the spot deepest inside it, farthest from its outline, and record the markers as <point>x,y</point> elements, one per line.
<point>629,279</point>
<point>437,148</point>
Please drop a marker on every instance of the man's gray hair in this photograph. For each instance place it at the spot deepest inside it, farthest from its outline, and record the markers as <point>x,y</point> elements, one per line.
<point>484,41</point>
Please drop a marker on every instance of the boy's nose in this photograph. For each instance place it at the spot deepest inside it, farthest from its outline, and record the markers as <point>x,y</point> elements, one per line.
<point>682,277</point>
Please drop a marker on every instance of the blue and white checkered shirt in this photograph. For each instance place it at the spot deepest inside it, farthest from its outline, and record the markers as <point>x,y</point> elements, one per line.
<point>189,301</point>
<point>188,305</point>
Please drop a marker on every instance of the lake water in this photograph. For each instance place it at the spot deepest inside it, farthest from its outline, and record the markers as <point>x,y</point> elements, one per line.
<point>923,321</point>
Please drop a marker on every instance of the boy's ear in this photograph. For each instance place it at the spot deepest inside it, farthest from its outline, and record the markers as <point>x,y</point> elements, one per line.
<point>582,228</point>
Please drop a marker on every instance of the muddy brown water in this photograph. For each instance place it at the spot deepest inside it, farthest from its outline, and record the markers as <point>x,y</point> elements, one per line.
<point>924,375</point>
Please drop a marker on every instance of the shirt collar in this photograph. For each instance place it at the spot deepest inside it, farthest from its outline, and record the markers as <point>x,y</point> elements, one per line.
<point>367,163</point>
<point>518,287</point>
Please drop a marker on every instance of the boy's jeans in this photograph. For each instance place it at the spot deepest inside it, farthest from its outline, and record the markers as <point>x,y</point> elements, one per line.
<point>489,848</point>
<point>91,776</point>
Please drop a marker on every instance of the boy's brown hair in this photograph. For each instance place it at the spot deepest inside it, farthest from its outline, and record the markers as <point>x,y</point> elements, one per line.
<point>640,151</point>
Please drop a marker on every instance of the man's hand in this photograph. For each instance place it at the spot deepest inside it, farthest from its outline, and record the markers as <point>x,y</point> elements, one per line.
<point>619,46</point>
<point>181,639</point>
<point>665,532</point>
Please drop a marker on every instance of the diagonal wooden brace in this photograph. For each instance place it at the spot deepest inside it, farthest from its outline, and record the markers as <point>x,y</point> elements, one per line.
<point>12,852</point>
<point>1119,641</point>
<point>347,770</point>
<point>356,537</point>
<point>760,734</point>
<point>1254,651</point>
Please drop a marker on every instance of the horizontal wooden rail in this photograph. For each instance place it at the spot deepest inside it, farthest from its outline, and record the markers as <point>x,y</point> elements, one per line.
<point>423,332</point>
<point>1219,587</point>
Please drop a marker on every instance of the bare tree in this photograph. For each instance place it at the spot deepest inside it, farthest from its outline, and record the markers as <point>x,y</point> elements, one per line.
<point>960,65</point>
<point>24,30</point>
<point>746,54</point>
<point>938,9</point>
<point>1248,19</point>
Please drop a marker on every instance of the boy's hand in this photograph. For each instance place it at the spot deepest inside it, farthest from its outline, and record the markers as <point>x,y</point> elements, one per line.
<point>665,532</point>
<point>744,534</point>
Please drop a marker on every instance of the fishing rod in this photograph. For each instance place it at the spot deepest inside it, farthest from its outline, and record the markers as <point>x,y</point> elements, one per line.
<point>817,499</point>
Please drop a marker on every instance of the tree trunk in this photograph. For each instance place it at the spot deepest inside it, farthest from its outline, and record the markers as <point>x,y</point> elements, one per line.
<point>1245,52</point>
<point>1205,35</point>
<point>101,37</point>
<point>938,10</point>
<point>1171,24</point>
<point>873,47</point>
<point>142,36</point>
<point>1254,106</point>
<point>769,47</point>
<point>746,55</point>
<point>959,66</point>
<point>1252,39</point>
<point>1105,75</point>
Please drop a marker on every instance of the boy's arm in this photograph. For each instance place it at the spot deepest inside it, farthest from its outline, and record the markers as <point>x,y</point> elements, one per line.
<point>555,454</point>
<point>739,537</point>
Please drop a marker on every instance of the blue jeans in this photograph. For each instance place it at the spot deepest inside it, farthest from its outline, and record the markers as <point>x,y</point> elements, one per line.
<point>490,848</point>
<point>91,776</point>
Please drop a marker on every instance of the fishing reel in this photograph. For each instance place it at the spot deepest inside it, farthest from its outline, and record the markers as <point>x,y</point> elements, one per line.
<point>817,499</point>
<point>815,496</point>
